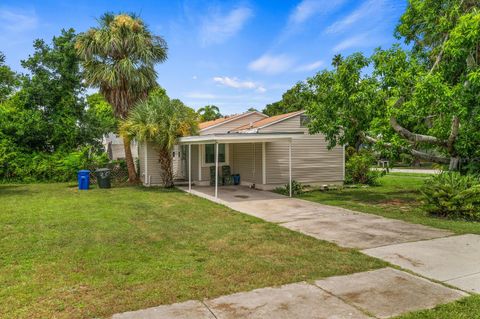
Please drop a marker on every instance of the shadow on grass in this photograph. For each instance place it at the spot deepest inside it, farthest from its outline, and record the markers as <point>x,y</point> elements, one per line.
<point>14,190</point>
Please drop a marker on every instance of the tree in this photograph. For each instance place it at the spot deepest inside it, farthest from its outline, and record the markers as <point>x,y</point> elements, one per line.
<point>45,113</point>
<point>343,103</point>
<point>118,57</point>
<point>291,101</point>
<point>209,113</point>
<point>423,101</point>
<point>99,117</point>
<point>160,121</point>
<point>9,80</point>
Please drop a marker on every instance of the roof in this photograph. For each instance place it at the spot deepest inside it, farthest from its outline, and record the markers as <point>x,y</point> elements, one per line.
<point>236,138</point>
<point>267,121</point>
<point>209,124</point>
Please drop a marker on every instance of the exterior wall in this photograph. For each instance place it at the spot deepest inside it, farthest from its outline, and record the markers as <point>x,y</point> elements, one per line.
<point>225,128</point>
<point>286,126</point>
<point>247,161</point>
<point>312,162</point>
<point>150,172</point>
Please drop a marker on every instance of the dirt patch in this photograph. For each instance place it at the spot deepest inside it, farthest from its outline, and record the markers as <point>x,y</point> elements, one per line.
<point>242,196</point>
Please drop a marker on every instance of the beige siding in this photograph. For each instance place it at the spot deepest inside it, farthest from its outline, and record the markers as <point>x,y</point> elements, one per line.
<point>150,171</point>
<point>225,128</point>
<point>312,162</point>
<point>247,161</point>
<point>286,126</point>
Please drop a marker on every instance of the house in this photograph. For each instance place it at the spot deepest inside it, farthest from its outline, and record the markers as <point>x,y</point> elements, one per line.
<point>266,152</point>
<point>113,145</point>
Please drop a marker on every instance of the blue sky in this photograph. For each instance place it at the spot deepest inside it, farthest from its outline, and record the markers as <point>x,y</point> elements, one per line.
<point>234,54</point>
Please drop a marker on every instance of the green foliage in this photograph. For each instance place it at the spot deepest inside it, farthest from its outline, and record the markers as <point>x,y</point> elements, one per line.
<point>9,80</point>
<point>208,113</point>
<point>100,119</point>
<point>408,100</point>
<point>297,189</point>
<point>160,121</point>
<point>292,101</point>
<point>358,170</point>
<point>123,72</point>
<point>344,102</point>
<point>47,131</point>
<point>452,195</point>
<point>40,166</point>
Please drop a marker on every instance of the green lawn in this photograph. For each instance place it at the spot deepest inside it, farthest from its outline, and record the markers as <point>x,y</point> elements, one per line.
<point>71,254</point>
<point>466,308</point>
<point>397,197</point>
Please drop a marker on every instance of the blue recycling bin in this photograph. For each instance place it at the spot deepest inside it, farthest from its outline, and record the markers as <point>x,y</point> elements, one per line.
<point>236,179</point>
<point>83,179</point>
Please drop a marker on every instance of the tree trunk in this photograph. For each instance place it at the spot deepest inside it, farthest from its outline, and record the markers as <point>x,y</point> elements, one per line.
<point>132,173</point>
<point>166,166</point>
<point>454,163</point>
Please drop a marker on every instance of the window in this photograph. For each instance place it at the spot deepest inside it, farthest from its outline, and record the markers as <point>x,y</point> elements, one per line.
<point>209,157</point>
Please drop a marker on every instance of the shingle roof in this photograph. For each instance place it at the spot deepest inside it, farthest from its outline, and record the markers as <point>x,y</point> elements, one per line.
<point>206,124</point>
<point>266,121</point>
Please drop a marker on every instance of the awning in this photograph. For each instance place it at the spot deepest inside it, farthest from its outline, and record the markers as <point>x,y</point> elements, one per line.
<point>237,138</point>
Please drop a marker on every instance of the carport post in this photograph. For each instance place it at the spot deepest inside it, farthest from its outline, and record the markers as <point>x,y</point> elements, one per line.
<point>290,167</point>
<point>216,170</point>
<point>190,167</point>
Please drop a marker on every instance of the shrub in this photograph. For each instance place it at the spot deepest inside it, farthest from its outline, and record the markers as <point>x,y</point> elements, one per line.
<point>452,195</point>
<point>358,170</point>
<point>19,166</point>
<point>297,189</point>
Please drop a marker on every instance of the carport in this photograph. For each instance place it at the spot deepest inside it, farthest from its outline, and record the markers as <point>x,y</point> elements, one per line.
<point>236,138</point>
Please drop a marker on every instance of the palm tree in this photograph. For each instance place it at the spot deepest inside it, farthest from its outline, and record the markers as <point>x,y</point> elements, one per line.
<point>118,57</point>
<point>209,113</point>
<point>160,121</point>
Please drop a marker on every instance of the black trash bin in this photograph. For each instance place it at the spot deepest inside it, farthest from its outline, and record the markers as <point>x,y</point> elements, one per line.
<point>103,177</point>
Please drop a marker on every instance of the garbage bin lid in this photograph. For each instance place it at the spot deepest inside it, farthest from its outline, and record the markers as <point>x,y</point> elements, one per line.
<point>102,170</point>
<point>84,171</point>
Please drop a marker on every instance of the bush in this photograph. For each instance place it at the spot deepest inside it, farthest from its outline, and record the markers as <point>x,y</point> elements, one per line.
<point>452,195</point>
<point>18,166</point>
<point>297,189</point>
<point>358,170</point>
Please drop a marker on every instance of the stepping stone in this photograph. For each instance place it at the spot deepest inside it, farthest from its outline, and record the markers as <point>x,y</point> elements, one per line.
<point>299,300</point>
<point>185,310</point>
<point>388,292</point>
<point>454,260</point>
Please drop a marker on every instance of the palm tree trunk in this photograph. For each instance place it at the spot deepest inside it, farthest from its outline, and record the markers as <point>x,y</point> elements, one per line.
<point>132,173</point>
<point>165,160</point>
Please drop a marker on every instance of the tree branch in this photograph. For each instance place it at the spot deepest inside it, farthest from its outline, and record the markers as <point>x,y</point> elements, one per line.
<point>439,56</point>
<point>453,133</point>
<point>415,153</point>
<point>413,137</point>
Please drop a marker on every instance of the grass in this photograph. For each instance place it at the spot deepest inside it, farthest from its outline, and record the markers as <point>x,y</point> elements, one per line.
<point>71,254</point>
<point>397,197</point>
<point>466,308</point>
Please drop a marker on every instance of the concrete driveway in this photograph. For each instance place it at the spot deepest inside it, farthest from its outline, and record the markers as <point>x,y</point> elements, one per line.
<point>342,226</point>
<point>431,252</point>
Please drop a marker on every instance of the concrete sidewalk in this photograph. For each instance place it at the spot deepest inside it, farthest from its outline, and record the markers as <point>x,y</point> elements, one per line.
<point>381,293</point>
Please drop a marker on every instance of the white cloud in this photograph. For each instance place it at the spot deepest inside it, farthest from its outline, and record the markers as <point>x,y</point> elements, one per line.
<point>237,84</point>
<point>310,66</point>
<point>306,9</point>
<point>360,40</point>
<point>194,77</point>
<point>217,27</point>
<point>370,9</point>
<point>271,64</point>
<point>17,20</point>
